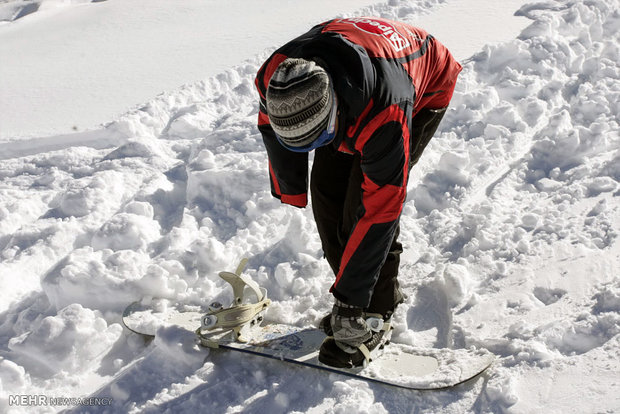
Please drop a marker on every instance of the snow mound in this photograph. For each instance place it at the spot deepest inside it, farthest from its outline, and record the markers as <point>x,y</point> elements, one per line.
<point>71,341</point>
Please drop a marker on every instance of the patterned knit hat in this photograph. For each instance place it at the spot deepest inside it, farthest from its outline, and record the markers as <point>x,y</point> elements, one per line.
<point>299,100</point>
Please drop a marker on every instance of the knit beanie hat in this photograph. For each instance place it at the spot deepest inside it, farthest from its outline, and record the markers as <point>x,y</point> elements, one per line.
<point>299,100</point>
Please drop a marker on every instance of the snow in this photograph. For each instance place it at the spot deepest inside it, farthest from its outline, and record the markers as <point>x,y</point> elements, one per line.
<point>510,229</point>
<point>106,55</point>
<point>95,61</point>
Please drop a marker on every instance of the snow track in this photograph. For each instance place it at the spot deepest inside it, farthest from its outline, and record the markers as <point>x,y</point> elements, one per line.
<point>510,230</point>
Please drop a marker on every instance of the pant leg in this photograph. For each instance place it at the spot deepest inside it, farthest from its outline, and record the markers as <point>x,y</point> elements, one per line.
<point>329,182</point>
<point>386,293</point>
<point>423,127</point>
<point>336,182</point>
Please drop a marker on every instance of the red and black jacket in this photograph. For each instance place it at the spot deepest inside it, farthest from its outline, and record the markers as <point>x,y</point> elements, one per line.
<point>383,72</point>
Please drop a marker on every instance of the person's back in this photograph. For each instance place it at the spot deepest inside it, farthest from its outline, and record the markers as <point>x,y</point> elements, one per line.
<point>374,58</point>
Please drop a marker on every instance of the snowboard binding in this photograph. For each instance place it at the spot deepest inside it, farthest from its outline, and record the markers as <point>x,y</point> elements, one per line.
<point>241,317</point>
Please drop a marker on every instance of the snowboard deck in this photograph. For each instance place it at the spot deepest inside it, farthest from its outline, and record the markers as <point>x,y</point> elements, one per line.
<point>398,365</point>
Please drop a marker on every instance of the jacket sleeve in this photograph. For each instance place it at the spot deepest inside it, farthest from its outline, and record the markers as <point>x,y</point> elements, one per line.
<point>288,170</point>
<point>384,148</point>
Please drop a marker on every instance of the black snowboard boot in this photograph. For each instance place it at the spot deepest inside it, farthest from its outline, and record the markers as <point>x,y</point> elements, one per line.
<point>326,323</point>
<point>334,355</point>
<point>343,356</point>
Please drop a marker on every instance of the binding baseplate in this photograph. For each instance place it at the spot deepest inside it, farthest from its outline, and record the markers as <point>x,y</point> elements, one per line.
<point>241,317</point>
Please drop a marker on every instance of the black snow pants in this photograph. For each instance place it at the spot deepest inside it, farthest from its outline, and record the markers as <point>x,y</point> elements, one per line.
<point>336,191</point>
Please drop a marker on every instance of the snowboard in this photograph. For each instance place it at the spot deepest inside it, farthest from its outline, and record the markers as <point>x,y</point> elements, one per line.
<point>398,365</point>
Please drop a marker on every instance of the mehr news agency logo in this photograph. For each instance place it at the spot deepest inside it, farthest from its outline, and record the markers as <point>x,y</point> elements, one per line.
<point>26,400</point>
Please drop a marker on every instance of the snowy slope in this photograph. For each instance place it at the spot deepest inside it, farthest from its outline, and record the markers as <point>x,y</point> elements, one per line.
<point>96,59</point>
<point>510,229</point>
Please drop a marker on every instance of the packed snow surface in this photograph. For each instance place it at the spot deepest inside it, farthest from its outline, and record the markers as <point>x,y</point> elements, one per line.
<point>510,233</point>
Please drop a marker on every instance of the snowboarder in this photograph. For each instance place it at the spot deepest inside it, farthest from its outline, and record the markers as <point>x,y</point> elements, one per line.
<point>367,94</point>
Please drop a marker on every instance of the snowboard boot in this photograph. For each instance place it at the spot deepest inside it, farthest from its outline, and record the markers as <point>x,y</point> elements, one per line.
<point>339,355</point>
<point>326,322</point>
